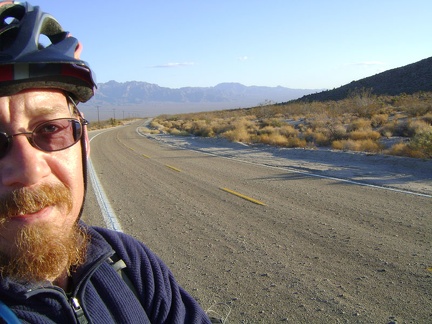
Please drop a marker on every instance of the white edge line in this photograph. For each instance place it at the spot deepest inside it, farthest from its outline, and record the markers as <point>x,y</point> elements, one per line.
<point>108,213</point>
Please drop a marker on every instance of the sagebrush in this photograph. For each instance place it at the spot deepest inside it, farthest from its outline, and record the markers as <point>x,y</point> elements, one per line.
<point>361,122</point>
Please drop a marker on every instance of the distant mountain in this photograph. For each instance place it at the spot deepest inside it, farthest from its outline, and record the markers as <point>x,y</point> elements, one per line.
<point>136,93</point>
<point>408,79</point>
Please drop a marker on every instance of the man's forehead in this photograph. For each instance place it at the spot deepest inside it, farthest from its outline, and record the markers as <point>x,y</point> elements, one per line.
<point>38,102</point>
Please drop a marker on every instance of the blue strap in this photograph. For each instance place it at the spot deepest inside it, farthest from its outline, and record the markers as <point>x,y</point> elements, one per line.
<point>7,314</point>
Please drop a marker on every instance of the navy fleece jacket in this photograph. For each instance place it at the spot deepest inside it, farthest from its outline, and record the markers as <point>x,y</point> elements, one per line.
<point>100,295</point>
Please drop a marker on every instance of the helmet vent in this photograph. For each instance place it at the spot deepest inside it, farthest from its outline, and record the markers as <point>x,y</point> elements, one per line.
<point>10,17</point>
<point>9,20</point>
<point>11,14</point>
<point>43,41</point>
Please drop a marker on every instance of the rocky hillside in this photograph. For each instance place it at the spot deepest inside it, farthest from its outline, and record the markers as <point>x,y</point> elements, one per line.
<point>408,79</point>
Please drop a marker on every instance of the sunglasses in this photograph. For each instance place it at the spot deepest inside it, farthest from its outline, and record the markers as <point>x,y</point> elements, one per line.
<point>49,136</point>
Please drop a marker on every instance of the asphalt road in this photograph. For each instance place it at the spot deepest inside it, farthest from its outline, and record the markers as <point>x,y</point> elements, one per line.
<point>265,245</point>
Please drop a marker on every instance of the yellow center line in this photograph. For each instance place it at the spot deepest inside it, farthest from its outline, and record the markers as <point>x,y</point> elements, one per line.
<point>172,168</point>
<point>146,156</point>
<point>243,196</point>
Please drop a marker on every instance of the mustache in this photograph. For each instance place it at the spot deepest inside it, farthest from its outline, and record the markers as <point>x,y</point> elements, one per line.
<point>27,201</point>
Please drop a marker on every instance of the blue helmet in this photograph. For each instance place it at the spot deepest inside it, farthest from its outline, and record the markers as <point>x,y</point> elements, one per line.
<point>26,61</point>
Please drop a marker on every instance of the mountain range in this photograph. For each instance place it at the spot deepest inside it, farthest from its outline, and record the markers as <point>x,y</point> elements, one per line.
<point>127,93</point>
<point>142,98</point>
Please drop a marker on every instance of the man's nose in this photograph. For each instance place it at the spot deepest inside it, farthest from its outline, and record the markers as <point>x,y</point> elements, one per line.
<point>24,165</point>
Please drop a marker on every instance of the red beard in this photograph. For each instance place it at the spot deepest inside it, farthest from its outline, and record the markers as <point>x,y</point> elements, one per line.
<point>40,251</point>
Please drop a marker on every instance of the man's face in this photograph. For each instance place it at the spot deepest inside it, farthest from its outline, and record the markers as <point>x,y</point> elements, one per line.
<point>25,167</point>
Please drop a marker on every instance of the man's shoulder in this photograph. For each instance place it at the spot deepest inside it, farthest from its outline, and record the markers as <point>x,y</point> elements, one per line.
<point>110,236</point>
<point>123,244</point>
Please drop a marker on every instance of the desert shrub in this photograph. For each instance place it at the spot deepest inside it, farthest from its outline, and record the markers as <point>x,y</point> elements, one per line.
<point>409,128</point>
<point>388,129</point>
<point>337,132</point>
<point>274,122</point>
<point>154,124</point>
<point>221,125</point>
<point>366,145</point>
<point>302,127</point>
<point>362,102</point>
<point>187,126</point>
<point>369,145</point>
<point>427,118</point>
<point>419,127</point>
<point>201,128</point>
<point>386,133</point>
<point>321,139</point>
<point>319,121</point>
<point>288,131</point>
<point>379,120</point>
<point>167,123</point>
<point>273,139</point>
<point>145,130</point>
<point>338,145</point>
<point>401,128</point>
<point>422,142</point>
<point>346,145</point>
<point>364,134</point>
<point>266,130</point>
<point>308,135</point>
<point>417,108</point>
<point>296,142</point>
<point>354,123</point>
<point>239,134</point>
<point>177,132</point>
<point>358,124</point>
<point>277,139</point>
<point>403,149</point>
<point>317,137</point>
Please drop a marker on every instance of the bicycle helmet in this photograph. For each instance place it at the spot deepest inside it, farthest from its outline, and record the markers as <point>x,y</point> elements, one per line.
<point>26,62</point>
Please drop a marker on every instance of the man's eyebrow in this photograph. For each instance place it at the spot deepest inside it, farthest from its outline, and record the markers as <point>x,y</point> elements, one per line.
<point>47,110</point>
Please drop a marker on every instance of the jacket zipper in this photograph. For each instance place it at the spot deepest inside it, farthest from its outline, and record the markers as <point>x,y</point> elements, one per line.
<point>79,312</point>
<point>74,302</point>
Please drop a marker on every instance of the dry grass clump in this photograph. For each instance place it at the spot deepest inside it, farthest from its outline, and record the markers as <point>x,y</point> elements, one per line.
<point>364,134</point>
<point>364,145</point>
<point>379,120</point>
<point>177,132</point>
<point>274,139</point>
<point>402,149</point>
<point>317,137</point>
<point>357,123</point>
<point>427,118</point>
<point>237,135</point>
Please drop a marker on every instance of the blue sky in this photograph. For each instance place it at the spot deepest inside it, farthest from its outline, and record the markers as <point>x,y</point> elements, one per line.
<point>307,44</point>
